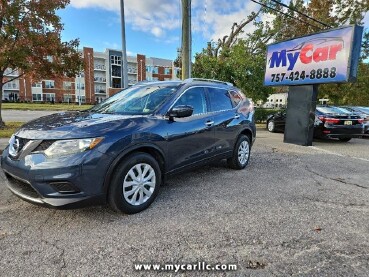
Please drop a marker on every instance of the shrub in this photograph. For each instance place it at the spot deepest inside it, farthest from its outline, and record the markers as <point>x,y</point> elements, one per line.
<point>261,114</point>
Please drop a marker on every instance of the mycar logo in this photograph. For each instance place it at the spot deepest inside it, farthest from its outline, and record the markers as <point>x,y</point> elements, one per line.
<point>312,51</point>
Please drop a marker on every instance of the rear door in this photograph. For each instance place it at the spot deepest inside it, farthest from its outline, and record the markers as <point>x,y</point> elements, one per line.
<point>226,118</point>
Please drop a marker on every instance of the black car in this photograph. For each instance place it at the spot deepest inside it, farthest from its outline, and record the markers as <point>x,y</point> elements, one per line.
<point>363,112</point>
<point>121,150</point>
<point>330,122</point>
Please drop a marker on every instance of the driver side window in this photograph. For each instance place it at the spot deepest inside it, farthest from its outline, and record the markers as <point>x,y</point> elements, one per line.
<point>194,97</point>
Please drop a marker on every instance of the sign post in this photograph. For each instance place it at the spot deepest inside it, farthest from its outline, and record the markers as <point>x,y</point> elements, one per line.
<point>302,64</point>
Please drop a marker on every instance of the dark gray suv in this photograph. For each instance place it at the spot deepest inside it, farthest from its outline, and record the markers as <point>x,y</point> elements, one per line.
<point>121,150</point>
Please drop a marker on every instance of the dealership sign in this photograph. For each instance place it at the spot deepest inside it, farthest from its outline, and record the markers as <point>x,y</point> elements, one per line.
<point>328,57</point>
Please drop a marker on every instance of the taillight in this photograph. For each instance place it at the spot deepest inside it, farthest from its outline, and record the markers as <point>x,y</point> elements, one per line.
<point>329,120</point>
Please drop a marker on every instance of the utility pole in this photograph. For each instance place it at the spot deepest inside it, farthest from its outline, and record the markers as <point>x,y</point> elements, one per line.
<point>186,39</point>
<point>124,50</point>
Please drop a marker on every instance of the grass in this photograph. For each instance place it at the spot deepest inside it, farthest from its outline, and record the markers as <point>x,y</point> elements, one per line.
<point>44,107</point>
<point>260,125</point>
<point>9,129</point>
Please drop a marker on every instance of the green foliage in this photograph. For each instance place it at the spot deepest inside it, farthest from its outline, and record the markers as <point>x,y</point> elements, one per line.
<point>356,93</point>
<point>237,65</point>
<point>261,114</point>
<point>30,41</point>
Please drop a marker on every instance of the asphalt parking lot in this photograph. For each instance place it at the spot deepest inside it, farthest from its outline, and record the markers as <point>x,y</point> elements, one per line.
<point>300,211</point>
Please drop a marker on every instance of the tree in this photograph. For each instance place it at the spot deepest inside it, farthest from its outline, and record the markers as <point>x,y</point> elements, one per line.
<point>240,61</point>
<point>31,43</point>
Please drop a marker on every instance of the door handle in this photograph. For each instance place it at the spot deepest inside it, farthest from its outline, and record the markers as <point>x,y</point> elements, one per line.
<point>237,116</point>
<point>209,123</point>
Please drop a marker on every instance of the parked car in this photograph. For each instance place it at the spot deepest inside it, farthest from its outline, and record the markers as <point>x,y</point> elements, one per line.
<point>330,122</point>
<point>122,149</point>
<point>363,112</point>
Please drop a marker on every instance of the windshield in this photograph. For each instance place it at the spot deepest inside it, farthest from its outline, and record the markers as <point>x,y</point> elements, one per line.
<point>137,100</point>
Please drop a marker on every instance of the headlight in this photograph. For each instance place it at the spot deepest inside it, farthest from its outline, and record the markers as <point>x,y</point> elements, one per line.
<point>67,147</point>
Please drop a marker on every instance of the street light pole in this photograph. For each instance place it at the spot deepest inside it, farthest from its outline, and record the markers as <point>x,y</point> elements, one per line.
<point>186,39</point>
<point>124,50</point>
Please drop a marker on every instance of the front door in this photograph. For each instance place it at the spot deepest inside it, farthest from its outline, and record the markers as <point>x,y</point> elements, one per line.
<point>190,139</point>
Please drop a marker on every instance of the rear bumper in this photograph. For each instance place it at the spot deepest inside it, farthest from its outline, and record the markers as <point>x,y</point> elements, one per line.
<point>353,131</point>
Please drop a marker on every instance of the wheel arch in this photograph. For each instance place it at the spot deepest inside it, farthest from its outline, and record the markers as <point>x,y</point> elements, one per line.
<point>248,133</point>
<point>150,149</point>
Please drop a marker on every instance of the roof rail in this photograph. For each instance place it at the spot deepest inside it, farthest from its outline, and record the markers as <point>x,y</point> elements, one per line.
<point>206,80</point>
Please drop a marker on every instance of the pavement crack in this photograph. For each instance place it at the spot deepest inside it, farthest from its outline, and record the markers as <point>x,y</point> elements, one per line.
<point>336,203</point>
<point>340,180</point>
<point>60,258</point>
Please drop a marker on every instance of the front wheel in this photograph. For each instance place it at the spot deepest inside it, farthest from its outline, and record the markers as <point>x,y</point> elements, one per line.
<point>241,153</point>
<point>135,183</point>
<point>271,126</point>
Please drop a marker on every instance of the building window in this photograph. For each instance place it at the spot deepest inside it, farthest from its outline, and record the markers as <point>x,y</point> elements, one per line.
<point>49,97</point>
<point>67,85</point>
<point>80,86</point>
<point>155,70</point>
<point>49,84</point>
<point>37,97</point>
<point>116,71</point>
<point>167,71</point>
<point>83,99</point>
<point>115,60</point>
<point>67,98</point>
<point>37,85</point>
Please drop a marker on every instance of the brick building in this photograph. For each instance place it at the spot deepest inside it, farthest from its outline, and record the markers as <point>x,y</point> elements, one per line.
<point>101,77</point>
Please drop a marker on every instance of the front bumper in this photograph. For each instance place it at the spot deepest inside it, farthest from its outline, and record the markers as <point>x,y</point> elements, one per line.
<point>62,182</point>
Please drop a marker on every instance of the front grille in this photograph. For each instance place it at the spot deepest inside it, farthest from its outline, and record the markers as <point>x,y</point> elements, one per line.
<point>21,186</point>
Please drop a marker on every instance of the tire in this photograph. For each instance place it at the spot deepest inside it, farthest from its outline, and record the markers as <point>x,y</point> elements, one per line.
<point>271,126</point>
<point>344,139</point>
<point>132,190</point>
<point>241,153</point>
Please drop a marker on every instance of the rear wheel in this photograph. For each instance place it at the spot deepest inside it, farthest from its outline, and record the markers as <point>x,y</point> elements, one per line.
<point>344,139</point>
<point>271,126</point>
<point>135,183</point>
<point>241,153</point>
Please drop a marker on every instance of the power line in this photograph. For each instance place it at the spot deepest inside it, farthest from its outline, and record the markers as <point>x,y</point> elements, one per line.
<point>301,13</point>
<point>273,9</point>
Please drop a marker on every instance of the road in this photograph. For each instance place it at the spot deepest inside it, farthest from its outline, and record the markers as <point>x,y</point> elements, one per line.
<point>23,116</point>
<point>300,211</point>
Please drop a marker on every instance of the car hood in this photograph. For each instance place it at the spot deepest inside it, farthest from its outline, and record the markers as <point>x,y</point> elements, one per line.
<point>69,125</point>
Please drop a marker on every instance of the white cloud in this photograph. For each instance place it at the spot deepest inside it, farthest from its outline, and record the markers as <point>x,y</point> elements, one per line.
<point>212,18</point>
<point>151,16</point>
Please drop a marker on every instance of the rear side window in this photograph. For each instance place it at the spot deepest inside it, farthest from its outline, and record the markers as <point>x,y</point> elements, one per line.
<point>235,97</point>
<point>220,100</point>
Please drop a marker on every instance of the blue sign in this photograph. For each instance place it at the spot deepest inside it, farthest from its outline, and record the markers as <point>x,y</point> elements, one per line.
<point>328,57</point>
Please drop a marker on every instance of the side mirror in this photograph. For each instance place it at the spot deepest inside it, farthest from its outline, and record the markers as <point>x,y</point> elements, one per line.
<point>181,111</point>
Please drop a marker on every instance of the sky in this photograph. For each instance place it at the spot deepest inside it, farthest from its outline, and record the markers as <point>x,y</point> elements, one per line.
<point>153,27</point>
